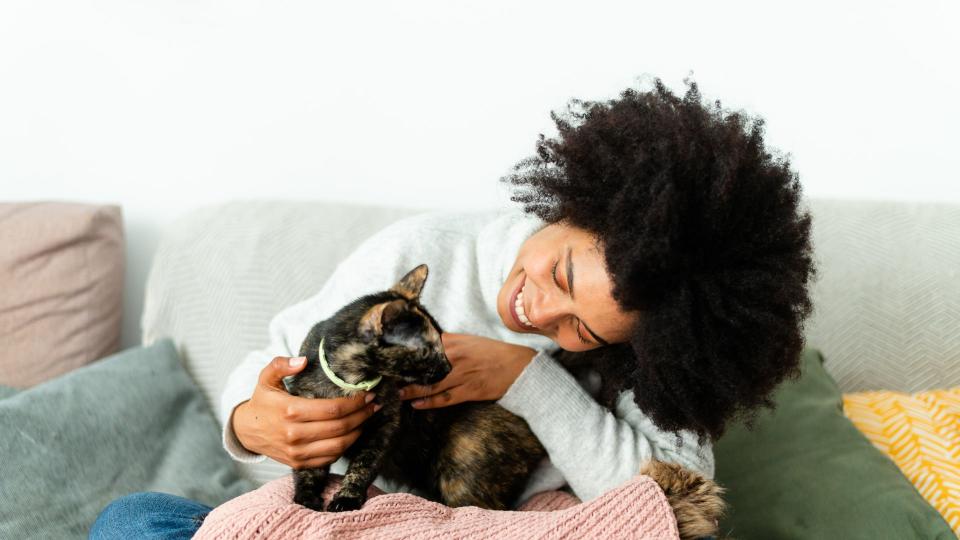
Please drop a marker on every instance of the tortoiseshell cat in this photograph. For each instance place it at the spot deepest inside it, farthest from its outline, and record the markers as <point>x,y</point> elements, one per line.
<point>474,453</point>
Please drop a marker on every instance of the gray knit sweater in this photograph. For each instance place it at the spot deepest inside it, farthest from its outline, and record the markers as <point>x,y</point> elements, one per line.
<point>591,449</point>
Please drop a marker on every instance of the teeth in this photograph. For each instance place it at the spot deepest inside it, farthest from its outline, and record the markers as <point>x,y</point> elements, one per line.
<point>520,314</point>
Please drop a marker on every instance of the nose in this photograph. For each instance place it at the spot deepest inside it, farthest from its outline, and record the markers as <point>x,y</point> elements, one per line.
<point>545,307</point>
<point>438,374</point>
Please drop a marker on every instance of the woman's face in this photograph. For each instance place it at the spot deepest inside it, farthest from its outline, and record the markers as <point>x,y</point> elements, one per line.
<point>563,289</point>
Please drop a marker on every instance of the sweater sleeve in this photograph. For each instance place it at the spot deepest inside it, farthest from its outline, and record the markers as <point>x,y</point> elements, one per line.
<point>596,449</point>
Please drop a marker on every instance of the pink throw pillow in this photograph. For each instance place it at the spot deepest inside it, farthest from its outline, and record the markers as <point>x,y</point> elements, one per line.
<point>61,277</point>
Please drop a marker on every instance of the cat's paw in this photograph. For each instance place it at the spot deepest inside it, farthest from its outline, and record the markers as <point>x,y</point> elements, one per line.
<point>344,503</point>
<point>309,500</point>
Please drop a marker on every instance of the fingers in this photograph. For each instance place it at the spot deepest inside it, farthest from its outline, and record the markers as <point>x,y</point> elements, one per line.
<point>301,409</point>
<point>298,431</point>
<point>322,452</point>
<point>316,443</point>
<point>328,429</point>
<point>281,366</point>
<point>412,391</point>
<point>447,397</point>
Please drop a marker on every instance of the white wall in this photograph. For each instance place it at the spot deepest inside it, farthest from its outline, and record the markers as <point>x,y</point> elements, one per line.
<point>164,106</point>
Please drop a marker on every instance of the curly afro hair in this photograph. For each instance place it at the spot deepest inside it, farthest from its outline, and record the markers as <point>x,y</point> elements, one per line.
<point>703,235</point>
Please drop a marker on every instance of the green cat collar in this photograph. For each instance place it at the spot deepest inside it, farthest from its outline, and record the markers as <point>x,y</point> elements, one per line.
<point>362,385</point>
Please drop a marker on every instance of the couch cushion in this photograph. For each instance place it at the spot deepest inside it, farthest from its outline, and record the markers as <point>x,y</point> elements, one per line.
<point>805,471</point>
<point>61,272</point>
<point>130,422</point>
<point>921,433</point>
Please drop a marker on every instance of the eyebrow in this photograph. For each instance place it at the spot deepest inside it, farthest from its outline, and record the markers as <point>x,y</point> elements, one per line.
<point>570,288</point>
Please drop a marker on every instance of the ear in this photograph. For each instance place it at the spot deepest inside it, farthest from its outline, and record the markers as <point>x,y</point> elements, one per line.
<point>371,324</point>
<point>411,284</point>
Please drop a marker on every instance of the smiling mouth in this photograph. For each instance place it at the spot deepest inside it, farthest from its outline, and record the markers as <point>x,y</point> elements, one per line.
<point>516,307</point>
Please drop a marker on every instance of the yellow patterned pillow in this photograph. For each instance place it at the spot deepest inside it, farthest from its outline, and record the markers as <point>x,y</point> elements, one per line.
<point>921,434</point>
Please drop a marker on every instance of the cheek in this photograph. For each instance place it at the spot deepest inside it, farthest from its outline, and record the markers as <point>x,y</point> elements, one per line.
<point>561,338</point>
<point>539,268</point>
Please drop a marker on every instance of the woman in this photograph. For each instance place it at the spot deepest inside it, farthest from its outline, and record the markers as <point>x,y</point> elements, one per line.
<point>659,237</point>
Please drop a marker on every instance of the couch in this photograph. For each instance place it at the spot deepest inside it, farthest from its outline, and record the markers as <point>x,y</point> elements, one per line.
<point>887,296</point>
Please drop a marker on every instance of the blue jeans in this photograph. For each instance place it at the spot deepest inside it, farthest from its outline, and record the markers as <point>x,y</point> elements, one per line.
<point>149,514</point>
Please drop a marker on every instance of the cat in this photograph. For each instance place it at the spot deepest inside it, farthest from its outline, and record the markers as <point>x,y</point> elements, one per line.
<point>469,454</point>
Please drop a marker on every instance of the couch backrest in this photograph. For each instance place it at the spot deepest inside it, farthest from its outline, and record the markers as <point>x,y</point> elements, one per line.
<point>887,299</point>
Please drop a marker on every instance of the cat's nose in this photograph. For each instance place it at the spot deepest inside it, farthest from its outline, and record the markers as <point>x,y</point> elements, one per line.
<point>438,374</point>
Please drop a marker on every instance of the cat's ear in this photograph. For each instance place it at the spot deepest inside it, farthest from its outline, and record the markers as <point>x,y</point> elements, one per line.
<point>411,284</point>
<point>371,324</point>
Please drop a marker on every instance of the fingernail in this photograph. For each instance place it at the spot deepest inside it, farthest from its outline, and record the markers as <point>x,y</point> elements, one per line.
<point>416,402</point>
<point>298,361</point>
<point>369,397</point>
<point>402,393</point>
<point>377,407</point>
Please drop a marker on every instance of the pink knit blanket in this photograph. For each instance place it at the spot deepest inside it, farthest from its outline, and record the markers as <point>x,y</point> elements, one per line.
<point>637,509</point>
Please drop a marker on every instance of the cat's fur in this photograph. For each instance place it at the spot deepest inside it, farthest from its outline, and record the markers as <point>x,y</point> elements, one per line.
<point>474,453</point>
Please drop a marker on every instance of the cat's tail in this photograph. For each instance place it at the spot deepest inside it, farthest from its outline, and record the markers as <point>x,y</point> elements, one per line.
<point>696,501</point>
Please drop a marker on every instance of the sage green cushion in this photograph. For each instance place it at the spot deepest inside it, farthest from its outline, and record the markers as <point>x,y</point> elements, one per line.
<point>805,471</point>
<point>133,421</point>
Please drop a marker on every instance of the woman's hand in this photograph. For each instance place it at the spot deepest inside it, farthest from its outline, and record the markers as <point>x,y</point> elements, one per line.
<point>303,433</point>
<point>483,369</point>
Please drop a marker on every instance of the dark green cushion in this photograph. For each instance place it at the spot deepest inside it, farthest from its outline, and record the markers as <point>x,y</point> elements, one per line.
<point>805,471</point>
<point>134,421</point>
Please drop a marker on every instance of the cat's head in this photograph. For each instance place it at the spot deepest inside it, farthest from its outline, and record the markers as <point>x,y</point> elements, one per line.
<point>403,338</point>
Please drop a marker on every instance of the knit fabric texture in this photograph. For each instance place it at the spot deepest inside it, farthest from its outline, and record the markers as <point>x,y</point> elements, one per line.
<point>636,509</point>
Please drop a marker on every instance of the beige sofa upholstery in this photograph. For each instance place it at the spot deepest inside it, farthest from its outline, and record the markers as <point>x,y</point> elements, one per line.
<point>61,287</point>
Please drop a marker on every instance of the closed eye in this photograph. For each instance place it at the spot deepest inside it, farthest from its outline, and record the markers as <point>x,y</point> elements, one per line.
<point>579,335</point>
<point>576,321</point>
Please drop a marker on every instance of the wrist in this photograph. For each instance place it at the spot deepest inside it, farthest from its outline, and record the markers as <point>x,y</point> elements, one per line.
<point>518,363</point>
<point>525,358</point>
<point>238,423</point>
